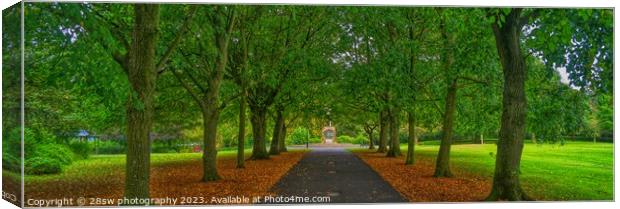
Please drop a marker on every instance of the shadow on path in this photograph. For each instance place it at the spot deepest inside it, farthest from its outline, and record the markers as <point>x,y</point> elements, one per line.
<point>339,174</point>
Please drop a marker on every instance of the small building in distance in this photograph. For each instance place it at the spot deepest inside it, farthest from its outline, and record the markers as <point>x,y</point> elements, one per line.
<point>328,134</point>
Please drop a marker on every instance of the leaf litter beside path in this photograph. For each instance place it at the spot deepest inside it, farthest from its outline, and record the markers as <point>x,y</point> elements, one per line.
<point>416,182</point>
<point>181,180</point>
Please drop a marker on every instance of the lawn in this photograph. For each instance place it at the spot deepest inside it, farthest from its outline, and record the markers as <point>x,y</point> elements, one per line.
<point>574,171</point>
<point>97,165</point>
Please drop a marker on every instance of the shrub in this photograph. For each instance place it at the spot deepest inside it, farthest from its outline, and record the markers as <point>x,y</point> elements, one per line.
<point>403,138</point>
<point>11,149</point>
<point>299,136</point>
<point>48,159</point>
<point>109,147</point>
<point>345,139</point>
<point>42,165</point>
<point>61,153</point>
<point>11,142</point>
<point>81,149</point>
<point>43,152</point>
<point>360,139</point>
<point>11,162</point>
<point>160,149</point>
<point>315,140</point>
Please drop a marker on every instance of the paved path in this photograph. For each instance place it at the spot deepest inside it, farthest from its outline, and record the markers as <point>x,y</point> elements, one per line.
<point>335,172</point>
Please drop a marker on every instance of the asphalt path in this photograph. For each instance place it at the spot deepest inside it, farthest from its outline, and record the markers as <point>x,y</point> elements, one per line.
<point>335,173</point>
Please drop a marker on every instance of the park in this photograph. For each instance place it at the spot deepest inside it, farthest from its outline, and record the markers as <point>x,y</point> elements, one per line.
<point>198,104</point>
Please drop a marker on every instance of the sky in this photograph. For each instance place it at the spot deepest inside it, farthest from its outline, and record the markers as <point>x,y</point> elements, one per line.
<point>563,75</point>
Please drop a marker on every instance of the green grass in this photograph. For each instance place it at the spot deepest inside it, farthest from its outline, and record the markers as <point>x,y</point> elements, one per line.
<point>575,171</point>
<point>97,165</point>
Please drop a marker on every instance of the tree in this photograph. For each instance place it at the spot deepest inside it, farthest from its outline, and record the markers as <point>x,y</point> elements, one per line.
<point>277,61</point>
<point>456,41</point>
<point>369,129</point>
<point>508,25</point>
<point>506,184</point>
<point>141,71</point>
<point>222,21</point>
<point>139,61</point>
<point>238,71</point>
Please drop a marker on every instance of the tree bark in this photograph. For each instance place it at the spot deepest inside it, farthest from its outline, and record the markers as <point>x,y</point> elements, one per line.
<point>371,143</point>
<point>282,141</point>
<point>241,134</point>
<point>394,150</point>
<point>506,184</point>
<point>209,155</point>
<point>412,139</point>
<point>142,74</point>
<point>369,131</point>
<point>277,128</point>
<point>383,131</point>
<point>258,119</point>
<point>442,167</point>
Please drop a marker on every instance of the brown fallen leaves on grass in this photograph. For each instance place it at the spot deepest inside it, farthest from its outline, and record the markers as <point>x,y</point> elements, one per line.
<point>181,180</point>
<point>416,182</point>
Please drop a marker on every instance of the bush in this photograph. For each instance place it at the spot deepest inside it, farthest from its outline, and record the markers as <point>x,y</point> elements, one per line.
<point>12,142</point>
<point>61,153</point>
<point>360,139</point>
<point>160,149</point>
<point>315,140</point>
<point>81,149</point>
<point>11,162</point>
<point>345,139</point>
<point>48,159</point>
<point>299,136</point>
<point>11,149</point>
<point>175,146</point>
<point>42,165</point>
<point>109,147</point>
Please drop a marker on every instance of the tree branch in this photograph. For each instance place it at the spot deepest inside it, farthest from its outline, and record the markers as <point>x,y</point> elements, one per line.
<point>188,88</point>
<point>524,19</point>
<point>177,40</point>
<point>474,80</point>
<point>229,99</point>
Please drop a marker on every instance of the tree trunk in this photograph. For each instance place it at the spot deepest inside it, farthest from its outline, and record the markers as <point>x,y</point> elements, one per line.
<point>142,74</point>
<point>277,128</point>
<point>258,120</point>
<point>383,132</point>
<point>442,167</point>
<point>211,106</point>
<point>411,120</point>
<point>209,155</point>
<point>481,138</point>
<point>534,141</point>
<point>282,141</point>
<point>506,184</point>
<point>394,150</point>
<point>241,134</point>
<point>371,143</point>
<point>369,131</point>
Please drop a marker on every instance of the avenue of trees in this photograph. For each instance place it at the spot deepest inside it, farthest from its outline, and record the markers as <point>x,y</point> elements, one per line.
<point>232,76</point>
